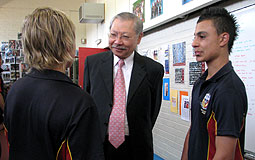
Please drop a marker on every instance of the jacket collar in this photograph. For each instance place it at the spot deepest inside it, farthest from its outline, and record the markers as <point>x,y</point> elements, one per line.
<point>48,74</point>
<point>138,73</point>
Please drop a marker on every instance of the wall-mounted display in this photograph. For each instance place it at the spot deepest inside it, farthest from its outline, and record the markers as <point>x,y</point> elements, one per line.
<point>185,1</point>
<point>166,89</point>
<point>179,75</point>
<point>185,114</point>
<point>174,101</point>
<point>139,9</point>
<point>195,71</point>
<point>156,7</point>
<point>12,58</point>
<point>181,94</point>
<point>179,54</point>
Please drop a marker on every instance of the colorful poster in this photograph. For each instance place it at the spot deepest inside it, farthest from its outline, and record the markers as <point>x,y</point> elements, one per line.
<point>185,114</point>
<point>138,9</point>
<point>182,93</point>
<point>185,1</point>
<point>166,89</point>
<point>166,59</point>
<point>163,57</point>
<point>156,8</point>
<point>174,101</point>
<point>179,54</point>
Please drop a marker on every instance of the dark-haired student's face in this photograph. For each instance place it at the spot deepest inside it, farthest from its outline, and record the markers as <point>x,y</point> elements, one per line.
<point>206,42</point>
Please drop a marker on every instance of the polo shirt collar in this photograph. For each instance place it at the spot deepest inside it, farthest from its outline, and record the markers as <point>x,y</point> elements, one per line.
<point>224,70</point>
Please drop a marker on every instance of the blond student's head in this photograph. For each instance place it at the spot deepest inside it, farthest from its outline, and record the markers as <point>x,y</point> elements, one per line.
<point>48,38</point>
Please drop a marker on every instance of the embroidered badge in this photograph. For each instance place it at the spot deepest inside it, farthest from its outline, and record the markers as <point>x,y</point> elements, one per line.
<point>205,103</point>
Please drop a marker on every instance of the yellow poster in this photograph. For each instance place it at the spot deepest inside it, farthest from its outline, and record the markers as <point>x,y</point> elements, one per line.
<point>174,100</point>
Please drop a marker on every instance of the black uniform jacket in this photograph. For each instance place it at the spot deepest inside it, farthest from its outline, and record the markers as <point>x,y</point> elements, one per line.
<point>144,97</point>
<point>47,116</point>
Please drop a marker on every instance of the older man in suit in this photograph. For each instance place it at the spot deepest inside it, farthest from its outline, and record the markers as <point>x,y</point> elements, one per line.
<point>127,89</point>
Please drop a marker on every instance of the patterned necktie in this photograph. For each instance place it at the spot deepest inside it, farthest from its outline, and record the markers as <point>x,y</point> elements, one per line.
<point>117,117</point>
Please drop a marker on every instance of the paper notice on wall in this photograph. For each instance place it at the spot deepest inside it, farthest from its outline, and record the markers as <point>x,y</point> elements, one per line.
<point>182,93</point>
<point>185,114</point>
<point>174,100</point>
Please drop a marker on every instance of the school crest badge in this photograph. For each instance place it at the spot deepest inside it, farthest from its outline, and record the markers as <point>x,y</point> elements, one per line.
<point>205,102</point>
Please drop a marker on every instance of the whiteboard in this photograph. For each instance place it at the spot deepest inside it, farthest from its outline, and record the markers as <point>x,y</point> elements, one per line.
<point>243,59</point>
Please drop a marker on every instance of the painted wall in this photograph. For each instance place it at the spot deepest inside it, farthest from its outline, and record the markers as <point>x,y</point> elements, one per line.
<point>100,31</point>
<point>13,12</point>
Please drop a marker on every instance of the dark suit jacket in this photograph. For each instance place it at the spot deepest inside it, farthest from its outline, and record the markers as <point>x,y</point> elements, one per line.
<point>144,97</point>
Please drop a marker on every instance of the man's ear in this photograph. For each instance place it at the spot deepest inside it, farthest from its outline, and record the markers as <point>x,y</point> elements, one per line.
<point>139,38</point>
<point>224,39</point>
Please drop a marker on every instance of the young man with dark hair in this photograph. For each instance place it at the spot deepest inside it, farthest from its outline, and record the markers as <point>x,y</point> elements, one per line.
<point>219,101</point>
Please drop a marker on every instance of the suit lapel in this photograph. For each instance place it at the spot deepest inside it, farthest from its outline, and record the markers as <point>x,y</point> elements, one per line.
<point>107,72</point>
<point>138,74</point>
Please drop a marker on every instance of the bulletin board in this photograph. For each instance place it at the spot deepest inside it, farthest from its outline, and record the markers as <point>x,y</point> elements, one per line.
<point>243,59</point>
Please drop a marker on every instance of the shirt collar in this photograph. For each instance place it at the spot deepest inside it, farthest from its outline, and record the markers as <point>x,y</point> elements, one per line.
<point>128,61</point>
<point>224,70</point>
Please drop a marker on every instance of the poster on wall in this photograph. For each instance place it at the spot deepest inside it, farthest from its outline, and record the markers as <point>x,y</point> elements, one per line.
<point>156,54</point>
<point>179,54</point>
<point>6,67</point>
<point>166,60</point>
<point>196,69</point>
<point>160,54</point>
<point>139,9</point>
<point>179,75</point>
<point>4,46</point>
<point>14,67</point>
<point>174,101</point>
<point>163,57</point>
<point>182,93</point>
<point>166,89</point>
<point>185,114</point>
<point>166,66</point>
<point>156,8</point>
<point>18,44</point>
<point>12,44</point>
<point>185,1</point>
<point>6,76</point>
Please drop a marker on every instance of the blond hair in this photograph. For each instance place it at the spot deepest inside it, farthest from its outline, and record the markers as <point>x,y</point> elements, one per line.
<point>48,37</point>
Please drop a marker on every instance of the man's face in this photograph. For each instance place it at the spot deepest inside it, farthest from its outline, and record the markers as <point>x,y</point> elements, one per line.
<point>206,42</point>
<point>122,38</point>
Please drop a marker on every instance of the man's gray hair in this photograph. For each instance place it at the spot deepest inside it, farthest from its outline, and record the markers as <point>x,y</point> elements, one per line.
<point>129,16</point>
